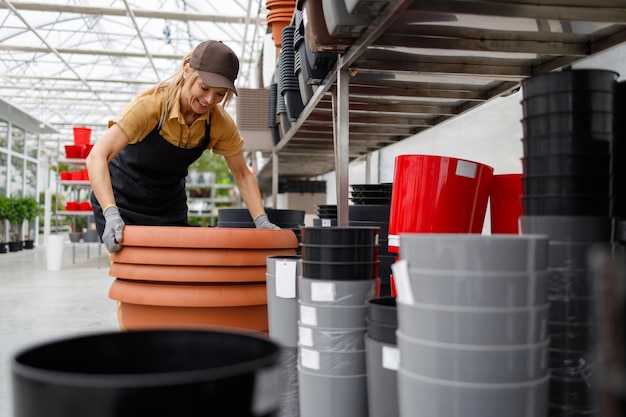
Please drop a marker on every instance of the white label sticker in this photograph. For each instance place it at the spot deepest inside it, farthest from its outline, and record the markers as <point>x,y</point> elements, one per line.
<point>308,315</point>
<point>466,169</point>
<point>310,358</point>
<point>305,336</point>
<point>391,358</point>
<point>323,291</point>
<point>285,279</point>
<point>327,223</point>
<point>403,284</point>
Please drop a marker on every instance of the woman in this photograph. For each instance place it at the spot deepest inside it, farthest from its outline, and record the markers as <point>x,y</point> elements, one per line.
<point>137,169</point>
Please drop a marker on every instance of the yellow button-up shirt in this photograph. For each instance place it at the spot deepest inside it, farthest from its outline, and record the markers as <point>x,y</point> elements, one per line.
<point>142,115</point>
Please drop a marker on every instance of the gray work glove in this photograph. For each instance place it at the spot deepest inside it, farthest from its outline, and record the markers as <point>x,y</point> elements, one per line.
<point>113,229</point>
<point>262,222</point>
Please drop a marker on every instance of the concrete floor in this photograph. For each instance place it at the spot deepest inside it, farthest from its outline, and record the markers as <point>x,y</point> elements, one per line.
<point>37,305</point>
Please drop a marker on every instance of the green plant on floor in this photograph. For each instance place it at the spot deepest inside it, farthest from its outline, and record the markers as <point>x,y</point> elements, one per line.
<point>16,216</point>
<point>32,211</point>
<point>4,216</point>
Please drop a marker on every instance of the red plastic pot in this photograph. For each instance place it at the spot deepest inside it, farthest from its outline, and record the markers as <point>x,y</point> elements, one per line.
<point>506,203</point>
<point>437,194</point>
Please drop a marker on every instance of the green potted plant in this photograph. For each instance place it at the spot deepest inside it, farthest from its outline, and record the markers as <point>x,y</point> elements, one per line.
<point>4,214</point>
<point>32,211</point>
<point>16,216</point>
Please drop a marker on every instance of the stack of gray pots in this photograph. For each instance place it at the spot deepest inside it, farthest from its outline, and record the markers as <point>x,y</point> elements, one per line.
<point>282,277</point>
<point>472,316</point>
<point>339,270</point>
<point>381,351</point>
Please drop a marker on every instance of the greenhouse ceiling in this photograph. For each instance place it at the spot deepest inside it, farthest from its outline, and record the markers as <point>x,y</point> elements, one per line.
<point>78,62</point>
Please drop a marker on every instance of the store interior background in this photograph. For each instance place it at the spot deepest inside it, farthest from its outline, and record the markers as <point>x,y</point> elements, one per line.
<point>490,134</point>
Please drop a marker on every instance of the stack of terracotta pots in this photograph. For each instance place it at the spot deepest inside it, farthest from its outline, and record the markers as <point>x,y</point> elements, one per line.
<point>195,277</point>
<point>279,15</point>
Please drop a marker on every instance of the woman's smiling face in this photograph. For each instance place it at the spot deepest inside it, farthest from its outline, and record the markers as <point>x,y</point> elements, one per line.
<point>200,97</point>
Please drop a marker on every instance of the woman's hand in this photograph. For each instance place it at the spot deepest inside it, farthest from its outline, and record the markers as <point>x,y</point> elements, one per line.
<point>113,229</point>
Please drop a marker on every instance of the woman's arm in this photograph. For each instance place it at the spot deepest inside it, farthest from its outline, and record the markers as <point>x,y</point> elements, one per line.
<point>110,144</point>
<point>246,182</point>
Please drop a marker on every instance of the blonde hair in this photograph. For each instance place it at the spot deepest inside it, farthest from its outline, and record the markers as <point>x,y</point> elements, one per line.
<point>173,86</point>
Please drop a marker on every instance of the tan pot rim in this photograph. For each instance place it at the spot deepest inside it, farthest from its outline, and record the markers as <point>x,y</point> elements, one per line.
<point>208,237</point>
<point>180,295</point>
<point>188,273</point>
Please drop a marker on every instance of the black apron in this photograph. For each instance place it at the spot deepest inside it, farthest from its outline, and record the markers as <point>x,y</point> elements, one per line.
<point>148,180</point>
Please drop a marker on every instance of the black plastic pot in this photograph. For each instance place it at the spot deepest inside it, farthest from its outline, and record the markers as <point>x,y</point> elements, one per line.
<point>566,205</point>
<point>149,373</point>
<point>372,212</point>
<point>564,363</point>
<point>383,226</point>
<point>567,184</point>
<point>236,217</point>
<point>570,337</point>
<point>561,411</point>
<point>568,122</point>
<point>340,271</point>
<point>567,164</point>
<point>573,392</point>
<point>572,143</point>
<point>569,101</point>
<point>340,235</point>
<point>339,253</point>
<point>572,310</point>
<point>383,310</point>
<point>568,81</point>
<point>569,283</point>
<point>381,332</point>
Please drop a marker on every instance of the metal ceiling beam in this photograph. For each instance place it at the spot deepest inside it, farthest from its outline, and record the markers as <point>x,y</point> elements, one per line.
<point>142,13</point>
<point>131,15</point>
<point>54,51</point>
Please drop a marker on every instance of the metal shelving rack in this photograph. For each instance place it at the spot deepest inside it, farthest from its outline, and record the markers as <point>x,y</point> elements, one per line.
<point>421,62</point>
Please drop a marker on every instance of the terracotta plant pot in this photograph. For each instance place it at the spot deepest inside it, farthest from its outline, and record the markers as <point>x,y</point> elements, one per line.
<point>148,305</point>
<point>195,277</point>
<point>188,273</point>
<point>196,256</point>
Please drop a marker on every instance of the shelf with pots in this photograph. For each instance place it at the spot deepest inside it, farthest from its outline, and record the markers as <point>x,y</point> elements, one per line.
<point>74,177</point>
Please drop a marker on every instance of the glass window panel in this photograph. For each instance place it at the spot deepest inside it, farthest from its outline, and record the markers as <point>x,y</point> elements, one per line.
<point>16,176</point>
<point>31,180</point>
<point>3,174</point>
<point>32,144</point>
<point>17,139</point>
<point>4,128</point>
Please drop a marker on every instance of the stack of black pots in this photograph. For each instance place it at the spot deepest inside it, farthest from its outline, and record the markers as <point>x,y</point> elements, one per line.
<point>567,172</point>
<point>272,120</point>
<point>339,271</point>
<point>288,85</point>
<point>326,215</point>
<point>371,207</point>
<point>240,218</point>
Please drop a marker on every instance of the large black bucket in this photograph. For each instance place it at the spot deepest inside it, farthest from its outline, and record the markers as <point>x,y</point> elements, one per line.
<point>149,373</point>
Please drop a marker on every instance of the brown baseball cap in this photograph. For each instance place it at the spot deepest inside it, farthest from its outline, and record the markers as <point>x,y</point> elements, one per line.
<point>216,63</point>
